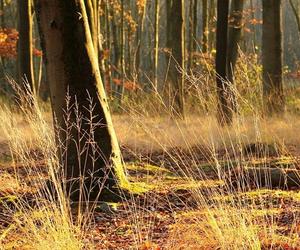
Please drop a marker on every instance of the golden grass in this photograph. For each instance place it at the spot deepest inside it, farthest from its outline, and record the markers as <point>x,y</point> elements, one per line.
<point>220,218</point>
<point>38,221</point>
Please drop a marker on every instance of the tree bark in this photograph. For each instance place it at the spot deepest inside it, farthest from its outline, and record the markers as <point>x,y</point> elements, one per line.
<point>108,86</point>
<point>195,26</point>
<point>272,57</point>
<point>91,10</point>
<point>140,33</point>
<point>204,26</point>
<point>254,26</point>
<point>123,69</point>
<point>225,113</point>
<point>190,36</point>
<point>116,49</point>
<point>92,152</point>
<point>234,36</point>
<point>176,46</point>
<point>211,24</point>
<point>156,44</point>
<point>2,15</point>
<point>25,56</point>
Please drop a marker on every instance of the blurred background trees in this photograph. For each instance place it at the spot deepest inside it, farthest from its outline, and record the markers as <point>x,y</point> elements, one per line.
<point>154,46</point>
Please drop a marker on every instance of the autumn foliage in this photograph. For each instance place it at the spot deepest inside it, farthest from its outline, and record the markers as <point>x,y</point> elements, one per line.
<point>8,43</point>
<point>129,85</point>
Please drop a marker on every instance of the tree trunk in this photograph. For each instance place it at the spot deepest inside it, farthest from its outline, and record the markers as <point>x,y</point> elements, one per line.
<point>211,25</point>
<point>191,36</point>
<point>156,41</point>
<point>98,43</point>
<point>204,26</point>
<point>254,25</point>
<point>121,89</point>
<point>91,11</point>
<point>140,33</point>
<point>272,57</point>
<point>108,86</point>
<point>92,152</point>
<point>25,56</point>
<point>195,26</point>
<point>116,48</point>
<point>234,36</point>
<point>2,15</point>
<point>176,46</point>
<point>224,92</point>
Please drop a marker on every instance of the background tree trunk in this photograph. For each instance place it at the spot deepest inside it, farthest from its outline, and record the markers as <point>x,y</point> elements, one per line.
<point>120,88</point>
<point>176,45</point>
<point>77,74</point>
<point>25,56</point>
<point>195,27</point>
<point>211,24</point>
<point>204,26</point>
<point>272,57</point>
<point>224,91</point>
<point>190,36</point>
<point>117,51</point>
<point>156,44</point>
<point>234,36</point>
<point>140,41</point>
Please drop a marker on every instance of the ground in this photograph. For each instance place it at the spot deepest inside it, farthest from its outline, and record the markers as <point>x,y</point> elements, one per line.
<point>195,198</point>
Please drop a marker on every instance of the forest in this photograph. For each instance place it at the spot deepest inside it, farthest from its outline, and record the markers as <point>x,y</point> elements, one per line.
<point>150,124</point>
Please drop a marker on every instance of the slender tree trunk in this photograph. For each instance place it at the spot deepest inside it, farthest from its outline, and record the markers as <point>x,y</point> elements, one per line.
<point>117,52</point>
<point>272,57</point>
<point>92,150</point>
<point>224,92</point>
<point>191,36</point>
<point>176,45</point>
<point>195,26</point>
<point>2,15</point>
<point>156,46</point>
<point>25,56</point>
<point>234,36</point>
<point>91,10</point>
<point>140,33</point>
<point>254,26</point>
<point>211,24</point>
<point>108,48</point>
<point>204,26</point>
<point>98,42</point>
<point>120,88</point>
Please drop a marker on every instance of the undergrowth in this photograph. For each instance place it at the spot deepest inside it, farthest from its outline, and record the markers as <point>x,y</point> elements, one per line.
<point>226,208</point>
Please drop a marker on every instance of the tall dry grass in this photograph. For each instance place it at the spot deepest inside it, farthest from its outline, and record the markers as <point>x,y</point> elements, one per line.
<point>221,217</point>
<point>39,216</point>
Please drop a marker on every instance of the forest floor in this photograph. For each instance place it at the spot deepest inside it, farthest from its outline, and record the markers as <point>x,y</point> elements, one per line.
<point>196,198</point>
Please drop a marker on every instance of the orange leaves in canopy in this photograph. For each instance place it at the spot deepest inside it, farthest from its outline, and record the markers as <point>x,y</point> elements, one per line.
<point>129,85</point>
<point>8,43</point>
